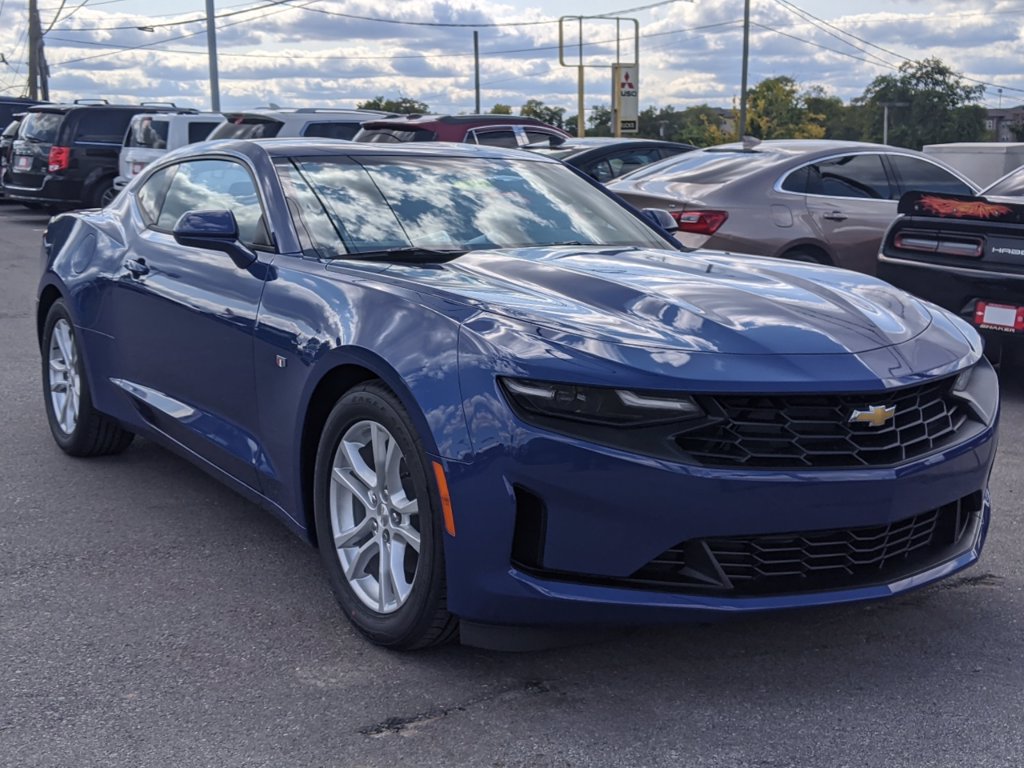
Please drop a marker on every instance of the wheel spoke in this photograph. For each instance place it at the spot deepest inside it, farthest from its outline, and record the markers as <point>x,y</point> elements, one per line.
<point>62,335</point>
<point>347,478</point>
<point>403,505</point>
<point>400,588</point>
<point>409,535</point>
<point>350,537</point>
<point>383,577</point>
<point>362,557</point>
<point>355,461</point>
<point>57,366</point>
<point>379,439</point>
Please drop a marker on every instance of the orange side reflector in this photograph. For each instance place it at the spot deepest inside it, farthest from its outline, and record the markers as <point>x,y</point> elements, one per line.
<point>446,499</point>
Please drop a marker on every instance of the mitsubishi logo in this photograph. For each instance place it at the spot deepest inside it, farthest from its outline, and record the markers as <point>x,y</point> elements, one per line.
<point>874,416</point>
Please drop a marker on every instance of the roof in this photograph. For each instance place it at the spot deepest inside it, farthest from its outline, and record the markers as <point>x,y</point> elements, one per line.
<point>457,120</point>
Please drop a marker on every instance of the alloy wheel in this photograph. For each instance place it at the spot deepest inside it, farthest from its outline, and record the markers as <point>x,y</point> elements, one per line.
<point>65,381</point>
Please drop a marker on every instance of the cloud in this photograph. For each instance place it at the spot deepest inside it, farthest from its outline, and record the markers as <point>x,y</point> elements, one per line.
<point>689,52</point>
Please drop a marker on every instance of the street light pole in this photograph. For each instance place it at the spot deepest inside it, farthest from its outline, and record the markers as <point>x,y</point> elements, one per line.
<point>885,117</point>
<point>743,79</point>
<point>211,45</point>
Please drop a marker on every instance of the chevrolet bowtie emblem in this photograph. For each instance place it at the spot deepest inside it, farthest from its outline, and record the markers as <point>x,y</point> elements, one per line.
<point>875,416</point>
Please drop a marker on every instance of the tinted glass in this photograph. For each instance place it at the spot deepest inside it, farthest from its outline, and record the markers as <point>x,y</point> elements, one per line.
<point>102,126</point>
<point>247,128</point>
<point>199,131</point>
<point>332,130</point>
<point>394,135</point>
<point>1011,185</point>
<point>599,170</point>
<point>215,185</point>
<point>464,203</point>
<point>151,194</point>
<point>860,176</point>
<point>627,161</point>
<point>922,176</point>
<point>311,220</point>
<point>41,126</point>
<point>493,138</point>
<point>798,180</point>
<point>147,132</point>
<point>709,166</point>
<point>532,135</point>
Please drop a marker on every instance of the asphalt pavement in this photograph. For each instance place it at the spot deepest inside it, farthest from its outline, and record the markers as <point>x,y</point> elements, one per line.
<point>151,617</point>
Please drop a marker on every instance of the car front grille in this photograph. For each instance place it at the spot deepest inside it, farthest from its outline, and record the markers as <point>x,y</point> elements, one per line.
<point>796,431</point>
<point>814,560</point>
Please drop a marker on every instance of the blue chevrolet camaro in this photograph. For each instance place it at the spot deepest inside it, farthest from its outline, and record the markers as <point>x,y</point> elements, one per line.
<point>493,395</point>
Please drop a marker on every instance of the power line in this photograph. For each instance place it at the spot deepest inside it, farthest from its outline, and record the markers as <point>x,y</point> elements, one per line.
<point>202,20</point>
<point>825,27</point>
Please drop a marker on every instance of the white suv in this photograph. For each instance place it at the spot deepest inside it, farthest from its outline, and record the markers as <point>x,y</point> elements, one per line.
<point>268,123</point>
<point>151,135</point>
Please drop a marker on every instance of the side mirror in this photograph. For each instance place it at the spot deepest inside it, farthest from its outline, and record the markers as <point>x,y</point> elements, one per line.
<point>661,219</point>
<point>215,231</point>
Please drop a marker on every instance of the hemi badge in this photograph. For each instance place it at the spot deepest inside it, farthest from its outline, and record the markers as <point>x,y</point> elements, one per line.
<point>875,416</point>
<point>282,361</point>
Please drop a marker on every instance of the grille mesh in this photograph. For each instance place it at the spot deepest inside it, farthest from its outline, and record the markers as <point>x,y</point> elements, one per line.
<point>794,431</point>
<point>815,560</point>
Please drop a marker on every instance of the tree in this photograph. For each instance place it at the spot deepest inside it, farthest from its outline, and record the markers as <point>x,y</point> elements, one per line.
<point>600,121</point>
<point>841,121</point>
<point>501,109</point>
<point>940,106</point>
<point>402,106</point>
<point>550,115</point>
<point>776,110</point>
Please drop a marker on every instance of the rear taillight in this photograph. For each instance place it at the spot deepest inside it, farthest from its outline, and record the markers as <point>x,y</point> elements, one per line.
<point>699,222</point>
<point>60,158</point>
<point>970,247</point>
<point>137,167</point>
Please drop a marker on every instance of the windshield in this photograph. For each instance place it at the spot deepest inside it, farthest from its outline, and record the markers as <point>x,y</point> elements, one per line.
<point>361,204</point>
<point>41,126</point>
<point>1011,185</point>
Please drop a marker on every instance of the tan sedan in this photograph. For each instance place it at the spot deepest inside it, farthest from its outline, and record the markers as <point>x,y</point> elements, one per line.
<point>823,201</point>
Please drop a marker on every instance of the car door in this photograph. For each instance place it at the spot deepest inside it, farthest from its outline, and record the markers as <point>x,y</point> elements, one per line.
<point>851,200</point>
<point>186,315</point>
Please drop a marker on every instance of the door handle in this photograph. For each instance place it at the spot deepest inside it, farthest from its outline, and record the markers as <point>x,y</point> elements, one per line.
<point>136,267</point>
<point>834,216</point>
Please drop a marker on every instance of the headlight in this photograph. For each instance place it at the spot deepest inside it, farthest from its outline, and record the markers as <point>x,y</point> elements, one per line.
<point>599,405</point>
<point>978,387</point>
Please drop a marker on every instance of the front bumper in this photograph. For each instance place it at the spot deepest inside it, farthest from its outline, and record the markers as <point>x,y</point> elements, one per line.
<point>607,514</point>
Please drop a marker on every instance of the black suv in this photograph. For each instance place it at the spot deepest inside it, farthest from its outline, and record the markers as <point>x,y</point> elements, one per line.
<point>65,155</point>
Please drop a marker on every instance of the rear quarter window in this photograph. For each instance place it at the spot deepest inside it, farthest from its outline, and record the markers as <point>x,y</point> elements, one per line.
<point>332,130</point>
<point>199,131</point>
<point>101,126</point>
<point>147,132</point>
<point>247,129</point>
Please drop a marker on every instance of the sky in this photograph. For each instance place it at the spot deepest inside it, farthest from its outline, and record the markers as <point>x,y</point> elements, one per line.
<point>305,53</point>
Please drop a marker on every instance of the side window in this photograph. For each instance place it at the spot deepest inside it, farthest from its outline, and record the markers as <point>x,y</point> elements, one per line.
<point>624,162</point>
<point>533,135</point>
<point>922,176</point>
<point>501,138</point>
<point>220,185</point>
<point>861,176</point>
<point>797,181</point>
<point>600,170</point>
<point>199,131</point>
<point>102,126</point>
<point>332,130</point>
<point>153,191</point>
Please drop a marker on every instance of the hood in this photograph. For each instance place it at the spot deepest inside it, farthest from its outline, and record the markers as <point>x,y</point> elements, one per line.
<point>693,302</point>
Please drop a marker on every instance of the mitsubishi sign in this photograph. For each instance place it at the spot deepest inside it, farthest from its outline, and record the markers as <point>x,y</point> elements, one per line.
<point>626,98</point>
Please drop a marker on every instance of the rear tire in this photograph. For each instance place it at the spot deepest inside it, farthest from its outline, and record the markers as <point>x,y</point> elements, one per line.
<point>377,522</point>
<point>77,427</point>
<point>103,194</point>
<point>806,256</point>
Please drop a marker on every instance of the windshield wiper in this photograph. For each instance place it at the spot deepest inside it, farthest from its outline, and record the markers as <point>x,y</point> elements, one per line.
<point>411,253</point>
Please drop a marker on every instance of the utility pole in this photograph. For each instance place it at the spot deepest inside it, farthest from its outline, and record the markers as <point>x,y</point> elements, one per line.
<point>885,117</point>
<point>35,45</point>
<point>476,66</point>
<point>742,128</point>
<point>211,46</point>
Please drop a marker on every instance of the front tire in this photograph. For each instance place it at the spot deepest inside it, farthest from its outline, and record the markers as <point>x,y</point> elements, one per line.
<point>78,428</point>
<point>377,522</point>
